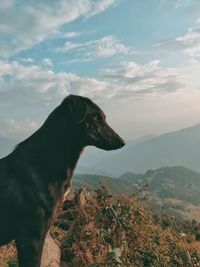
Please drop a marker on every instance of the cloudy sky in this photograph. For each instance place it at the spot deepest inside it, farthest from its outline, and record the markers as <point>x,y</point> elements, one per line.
<point>139,60</point>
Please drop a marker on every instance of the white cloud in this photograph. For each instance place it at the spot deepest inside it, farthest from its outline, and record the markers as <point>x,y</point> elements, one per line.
<point>68,46</point>
<point>106,46</point>
<point>190,42</point>
<point>48,62</point>
<point>76,60</point>
<point>100,6</point>
<point>18,129</point>
<point>36,20</point>
<point>70,35</point>
<point>37,85</point>
<point>27,60</point>
<point>134,79</point>
<point>189,37</point>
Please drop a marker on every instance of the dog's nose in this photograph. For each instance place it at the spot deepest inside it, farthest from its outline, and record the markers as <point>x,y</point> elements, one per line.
<point>122,143</point>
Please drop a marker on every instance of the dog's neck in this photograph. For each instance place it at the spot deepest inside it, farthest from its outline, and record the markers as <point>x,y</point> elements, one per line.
<point>61,155</point>
<point>55,147</point>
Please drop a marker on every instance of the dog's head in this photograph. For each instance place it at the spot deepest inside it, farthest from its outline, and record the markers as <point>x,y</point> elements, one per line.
<point>90,124</point>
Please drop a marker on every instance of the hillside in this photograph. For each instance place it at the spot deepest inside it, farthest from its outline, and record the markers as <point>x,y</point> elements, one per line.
<point>175,148</point>
<point>173,189</point>
<point>104,231</point>
<point>115,186</point>
<point>170,182</point>
<point>166,182</point>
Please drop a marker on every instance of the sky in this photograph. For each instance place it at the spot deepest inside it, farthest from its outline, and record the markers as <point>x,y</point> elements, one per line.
<point>138,60</point>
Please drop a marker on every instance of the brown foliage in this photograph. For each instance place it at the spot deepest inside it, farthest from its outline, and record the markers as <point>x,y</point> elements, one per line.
<point>111,232</point>
<point>8,255</point>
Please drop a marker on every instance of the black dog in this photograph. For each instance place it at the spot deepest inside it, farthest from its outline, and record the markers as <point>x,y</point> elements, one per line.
<point>34,177</point>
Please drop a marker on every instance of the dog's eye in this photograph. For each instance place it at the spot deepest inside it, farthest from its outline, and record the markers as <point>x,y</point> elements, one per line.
<point>97,117</point>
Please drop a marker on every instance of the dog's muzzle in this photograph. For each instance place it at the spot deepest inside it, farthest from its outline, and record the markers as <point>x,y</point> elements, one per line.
<point>109,139</point>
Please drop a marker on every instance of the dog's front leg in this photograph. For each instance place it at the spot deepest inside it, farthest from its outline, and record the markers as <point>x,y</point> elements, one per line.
<point>29,247</point>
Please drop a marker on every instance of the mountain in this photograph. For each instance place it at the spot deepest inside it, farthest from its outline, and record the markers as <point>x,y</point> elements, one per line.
<point>6,146</point>
<point>175,148</point>
<point>131,177</point>
<point>175,189</point>
<point>85,170</point>
<point>114,186</point>
<point>169,182</point>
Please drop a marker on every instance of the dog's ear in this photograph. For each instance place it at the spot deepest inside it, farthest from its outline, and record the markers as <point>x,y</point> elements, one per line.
<point>77,107</point>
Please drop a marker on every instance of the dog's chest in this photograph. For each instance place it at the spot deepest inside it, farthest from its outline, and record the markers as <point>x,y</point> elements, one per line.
<point>58,205</point>
<point>58,193</point>
<point>59,198</point>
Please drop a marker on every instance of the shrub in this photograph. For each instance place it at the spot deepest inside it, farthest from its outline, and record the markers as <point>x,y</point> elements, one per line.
<point>121,232</point>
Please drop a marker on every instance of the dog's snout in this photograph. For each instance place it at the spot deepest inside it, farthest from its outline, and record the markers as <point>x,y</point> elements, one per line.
<point>112,140</point>
<point>122,143</point>
<point>104,137</point>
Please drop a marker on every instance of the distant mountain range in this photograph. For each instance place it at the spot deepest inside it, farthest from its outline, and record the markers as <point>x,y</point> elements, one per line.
<point>88,162</point>
<point>175,148</point>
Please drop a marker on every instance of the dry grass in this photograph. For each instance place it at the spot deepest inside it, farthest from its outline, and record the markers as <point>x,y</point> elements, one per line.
<point>8,255</point>
<point>110,232</point>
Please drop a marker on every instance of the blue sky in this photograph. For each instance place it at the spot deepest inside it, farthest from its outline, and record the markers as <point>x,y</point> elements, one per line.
<point>139,60</point>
